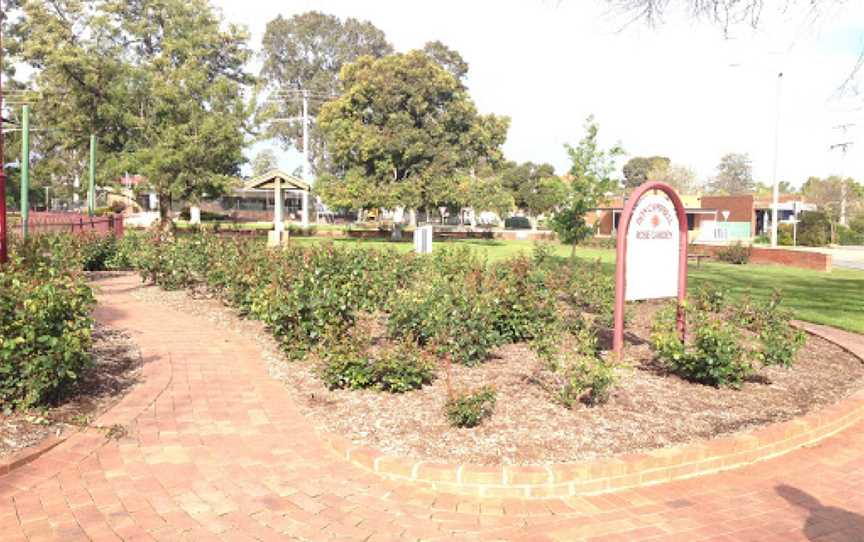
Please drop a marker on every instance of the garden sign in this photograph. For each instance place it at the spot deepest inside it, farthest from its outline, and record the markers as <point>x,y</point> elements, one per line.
<point>651,258</point>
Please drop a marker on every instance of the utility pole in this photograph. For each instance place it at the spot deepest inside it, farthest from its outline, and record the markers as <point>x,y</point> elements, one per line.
<point>306,136</point>
<point>91,188</point>
<point>4,253</point>
<point>845,147</point>
<point>776,196</point>
<point>25,170</point>
<point>306,174</point>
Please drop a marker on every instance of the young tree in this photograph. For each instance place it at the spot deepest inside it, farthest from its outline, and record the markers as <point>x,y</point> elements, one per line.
<point>307,52</point>
<point>591,182</point>
<point>734,175</point>
<point>404,133</point>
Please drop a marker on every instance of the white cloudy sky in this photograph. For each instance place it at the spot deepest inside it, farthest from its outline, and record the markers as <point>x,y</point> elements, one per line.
<point>681,90</point>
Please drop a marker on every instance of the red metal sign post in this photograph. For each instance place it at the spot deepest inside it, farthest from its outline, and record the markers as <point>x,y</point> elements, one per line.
<point>621,258</point>
<point>4,254</point>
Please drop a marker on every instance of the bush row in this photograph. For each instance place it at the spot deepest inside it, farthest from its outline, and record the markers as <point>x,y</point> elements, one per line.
<point>45,324</point>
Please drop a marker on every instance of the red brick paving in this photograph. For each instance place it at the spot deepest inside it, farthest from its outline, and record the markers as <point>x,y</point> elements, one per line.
<point>216,451</point>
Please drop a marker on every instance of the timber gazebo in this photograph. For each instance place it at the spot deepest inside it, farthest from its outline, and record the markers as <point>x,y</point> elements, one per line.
<point>281,184</point>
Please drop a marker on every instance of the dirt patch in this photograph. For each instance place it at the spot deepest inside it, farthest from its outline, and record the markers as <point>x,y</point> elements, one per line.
<point>647,408</point>
<point>116,369</point>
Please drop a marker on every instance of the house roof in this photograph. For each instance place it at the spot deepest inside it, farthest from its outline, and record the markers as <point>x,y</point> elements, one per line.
<point>267,181</point>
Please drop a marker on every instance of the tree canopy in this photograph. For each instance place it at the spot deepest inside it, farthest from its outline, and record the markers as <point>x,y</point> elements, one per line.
<point>307,52</point>
<point>447,58</point>
<point>591,182</point>
<point>159,82</point>
<point>264,161</point>
<point>828,194</point>
<point>405,132</point>
<point>638,169</point>
<point>734,175</point>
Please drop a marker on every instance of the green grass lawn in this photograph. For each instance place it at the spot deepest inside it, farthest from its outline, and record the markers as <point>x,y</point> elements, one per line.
<point>835,299</point>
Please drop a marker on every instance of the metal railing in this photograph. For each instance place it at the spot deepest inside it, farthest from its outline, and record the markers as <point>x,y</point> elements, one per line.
<point>72,223</point>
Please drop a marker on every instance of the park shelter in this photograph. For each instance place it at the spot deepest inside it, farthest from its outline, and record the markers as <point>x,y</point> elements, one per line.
<point>284,189</point>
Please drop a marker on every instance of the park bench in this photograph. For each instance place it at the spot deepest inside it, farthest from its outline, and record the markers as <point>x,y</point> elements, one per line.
<point>698,256</point>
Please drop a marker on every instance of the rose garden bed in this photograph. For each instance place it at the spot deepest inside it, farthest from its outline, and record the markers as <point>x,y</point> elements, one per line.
<point>648,408</point>
<point>447,359</point>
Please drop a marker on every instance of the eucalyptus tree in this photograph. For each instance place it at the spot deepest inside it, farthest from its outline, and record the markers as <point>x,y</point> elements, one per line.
<point>305,53</point>
<point>405,132</point>
<point>159,82</point>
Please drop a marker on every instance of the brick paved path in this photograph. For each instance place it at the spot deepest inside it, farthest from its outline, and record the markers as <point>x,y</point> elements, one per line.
<point>215,450</point>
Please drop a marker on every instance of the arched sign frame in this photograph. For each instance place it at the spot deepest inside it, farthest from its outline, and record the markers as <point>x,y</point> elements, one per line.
<point>621,258</point>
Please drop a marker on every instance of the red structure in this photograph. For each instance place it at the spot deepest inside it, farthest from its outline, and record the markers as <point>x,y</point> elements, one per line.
<point>75,223</point>
<point>621,258</point>
<point>4,256</point>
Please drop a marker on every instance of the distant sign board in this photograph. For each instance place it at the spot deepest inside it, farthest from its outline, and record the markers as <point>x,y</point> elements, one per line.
<point>653,250</point>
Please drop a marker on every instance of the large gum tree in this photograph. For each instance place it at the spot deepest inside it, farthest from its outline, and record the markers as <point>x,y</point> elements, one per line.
<point>159,82</point>
<point>404,133</point>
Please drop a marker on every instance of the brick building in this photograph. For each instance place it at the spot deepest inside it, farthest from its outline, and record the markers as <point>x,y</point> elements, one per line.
<point>715,218</point>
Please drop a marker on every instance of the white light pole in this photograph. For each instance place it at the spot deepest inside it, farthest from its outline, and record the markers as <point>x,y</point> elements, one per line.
<point>776,198</point>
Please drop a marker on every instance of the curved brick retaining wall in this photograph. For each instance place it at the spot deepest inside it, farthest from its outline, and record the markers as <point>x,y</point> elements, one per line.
<point>619,472</point>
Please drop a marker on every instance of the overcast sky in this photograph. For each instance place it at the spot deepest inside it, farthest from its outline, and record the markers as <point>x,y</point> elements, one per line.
<point>681,90</point>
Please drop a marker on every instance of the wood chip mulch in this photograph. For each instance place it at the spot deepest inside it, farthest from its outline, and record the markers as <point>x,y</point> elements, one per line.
<point>647,409</point>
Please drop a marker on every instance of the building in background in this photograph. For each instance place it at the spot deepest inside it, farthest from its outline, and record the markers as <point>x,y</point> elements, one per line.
<point>715,218</point>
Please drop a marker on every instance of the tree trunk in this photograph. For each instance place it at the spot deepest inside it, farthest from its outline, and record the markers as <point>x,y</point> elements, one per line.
<point>573,250</point>
<point>165,222</point>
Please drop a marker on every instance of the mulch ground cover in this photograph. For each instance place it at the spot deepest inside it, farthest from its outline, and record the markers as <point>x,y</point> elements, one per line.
<point>116,369</point>
<point>648,407</point>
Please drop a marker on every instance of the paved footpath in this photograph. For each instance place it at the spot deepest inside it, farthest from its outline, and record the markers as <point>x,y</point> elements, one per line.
<point>215,450</point>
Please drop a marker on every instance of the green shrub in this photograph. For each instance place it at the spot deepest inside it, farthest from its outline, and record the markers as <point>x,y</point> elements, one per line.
<point>734,254</point>
<point>96,251</point>
<point>847,236</point>
<point>45,330</point>
<point>785,235</point>
<point>318,290</point>
<point>350,362</point>
<point>592,289</point>
<point>469,409</point>
<point>780,345</point>
<point>715,355</point>
<point>453,316</point>
<point>125,251</point>
<point>584,379</point>
<point>726,339</point>
<point>517,223</point>
<point>779,341</point>
<point>521,305</point>
<point>814,229</point>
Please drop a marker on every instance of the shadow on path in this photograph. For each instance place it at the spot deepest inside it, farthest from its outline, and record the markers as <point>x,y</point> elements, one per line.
<point>824,522</point>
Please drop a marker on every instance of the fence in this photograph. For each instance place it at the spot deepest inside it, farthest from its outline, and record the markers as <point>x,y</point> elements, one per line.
<point>74,223</point>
